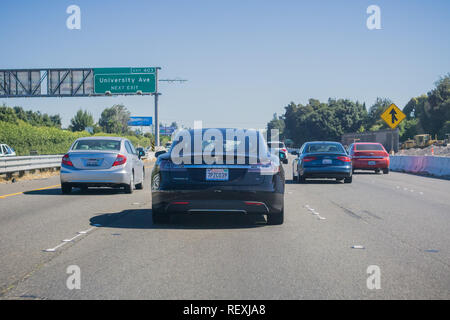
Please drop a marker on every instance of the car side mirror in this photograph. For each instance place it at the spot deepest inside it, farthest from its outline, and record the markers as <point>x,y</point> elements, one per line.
<point>141,153</point>
<point>157,154</point>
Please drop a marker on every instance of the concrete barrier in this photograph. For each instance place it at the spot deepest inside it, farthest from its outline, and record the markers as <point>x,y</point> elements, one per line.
<point>436,166</point>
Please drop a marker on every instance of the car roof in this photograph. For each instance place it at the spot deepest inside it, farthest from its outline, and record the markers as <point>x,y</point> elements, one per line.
<point>101,138</point>
<point>366,143</point>
<point>335,142</point>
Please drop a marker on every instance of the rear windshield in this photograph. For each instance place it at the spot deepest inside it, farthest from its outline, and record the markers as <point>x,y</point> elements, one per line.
<point>368,146</point>
<point>324,147</point>
<point>97,145</point>
<point>248,143</point>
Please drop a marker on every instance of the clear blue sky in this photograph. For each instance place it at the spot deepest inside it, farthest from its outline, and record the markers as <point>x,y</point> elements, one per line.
<point>244,59</point>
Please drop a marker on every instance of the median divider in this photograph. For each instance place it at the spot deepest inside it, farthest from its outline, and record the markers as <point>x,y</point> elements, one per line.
<point>430,165</point>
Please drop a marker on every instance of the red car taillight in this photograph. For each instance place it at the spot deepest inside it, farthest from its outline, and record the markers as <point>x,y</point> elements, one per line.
<point>308,159</point>
<point>121,159</point>
<point>66,160</point>
<point>344,159</point>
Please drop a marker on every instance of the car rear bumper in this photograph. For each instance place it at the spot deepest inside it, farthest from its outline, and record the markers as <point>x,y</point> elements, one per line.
<point>227,201</point>
<point>105,177</point>
<point>363,164</point>
<point>327,172</point>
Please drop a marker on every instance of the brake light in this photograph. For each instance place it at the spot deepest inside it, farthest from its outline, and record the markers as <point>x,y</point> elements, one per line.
<point>253,203</point>
<point>66,160</point>
<point>121,159</point>
<point>180,202</point>
<point>269,168</point>
<point>344,159</point>
<point>308,159</point>
<point>284,150</point>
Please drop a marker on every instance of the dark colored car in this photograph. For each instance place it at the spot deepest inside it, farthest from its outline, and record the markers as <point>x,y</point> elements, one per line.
<point>322,159</point>
<point>369,156</point>
<point>247,180</point>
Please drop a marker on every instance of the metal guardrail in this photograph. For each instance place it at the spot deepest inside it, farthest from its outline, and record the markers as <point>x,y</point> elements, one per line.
<point>26,163</point>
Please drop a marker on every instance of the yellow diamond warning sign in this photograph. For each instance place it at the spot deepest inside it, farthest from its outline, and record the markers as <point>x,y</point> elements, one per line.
<point>393,116</point>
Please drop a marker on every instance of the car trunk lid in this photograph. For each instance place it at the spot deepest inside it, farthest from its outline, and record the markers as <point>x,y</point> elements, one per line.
<point>92,160</point>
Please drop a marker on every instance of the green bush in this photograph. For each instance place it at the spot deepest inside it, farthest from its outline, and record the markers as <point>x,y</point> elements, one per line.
<point>23,138</point>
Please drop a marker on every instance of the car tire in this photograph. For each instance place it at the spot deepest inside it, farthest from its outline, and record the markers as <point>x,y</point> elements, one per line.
<point>275,218</point>
<point>386,171</point>
<point>66,188</point>
<point>130,187</point>
<point>159,217</point>
<point>294,178</point>
<point>348,180</point>
<point>377,171</point>
<point>301,179</point>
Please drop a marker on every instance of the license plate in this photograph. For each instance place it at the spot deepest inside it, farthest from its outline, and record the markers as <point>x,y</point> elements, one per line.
<point>326,161</point>
<point>371,163</point>
<point>217,174</point>
<point>92,163</point>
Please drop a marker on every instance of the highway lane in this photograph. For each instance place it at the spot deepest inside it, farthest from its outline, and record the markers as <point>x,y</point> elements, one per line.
<point>401,220</point>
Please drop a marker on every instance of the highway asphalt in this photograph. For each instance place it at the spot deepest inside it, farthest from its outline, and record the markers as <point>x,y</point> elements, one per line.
<point>332,233</point>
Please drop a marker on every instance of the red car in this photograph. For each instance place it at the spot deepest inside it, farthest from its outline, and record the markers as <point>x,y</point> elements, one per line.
<point>369,156</point>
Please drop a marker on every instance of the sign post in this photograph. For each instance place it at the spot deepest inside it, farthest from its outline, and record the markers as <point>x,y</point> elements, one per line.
<point>393,116</point>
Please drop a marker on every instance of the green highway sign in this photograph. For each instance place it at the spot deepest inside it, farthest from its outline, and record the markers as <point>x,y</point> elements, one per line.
<point>124,80</point>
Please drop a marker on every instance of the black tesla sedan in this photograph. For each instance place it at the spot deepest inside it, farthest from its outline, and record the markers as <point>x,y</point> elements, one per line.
<point>218,170</point>
<point>322,159</point>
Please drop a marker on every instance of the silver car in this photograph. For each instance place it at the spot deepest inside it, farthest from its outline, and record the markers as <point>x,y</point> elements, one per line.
<point>102,162</point>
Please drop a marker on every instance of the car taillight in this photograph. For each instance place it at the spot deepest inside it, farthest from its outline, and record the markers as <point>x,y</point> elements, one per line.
<point>284,150</point>
<point>269,168</point>
<point>308,159</point>
<point>121,159</point>
<point>344,159</point>
<point>66,160</point>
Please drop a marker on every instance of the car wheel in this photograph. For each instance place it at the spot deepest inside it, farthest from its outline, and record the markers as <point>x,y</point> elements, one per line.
<point>386,171</point>
<point>159,217</point>
<point>348,180</point>
<point>276,218</point>
<point>130,187</point>
<point>301,179</point>
<point>294,178</point>
<point>377,170</point>
<point>66,188</point>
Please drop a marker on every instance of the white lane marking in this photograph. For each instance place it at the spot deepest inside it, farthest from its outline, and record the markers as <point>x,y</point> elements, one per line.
<point>314,212</point>
<point>358,247</point>
<point>80,233</point>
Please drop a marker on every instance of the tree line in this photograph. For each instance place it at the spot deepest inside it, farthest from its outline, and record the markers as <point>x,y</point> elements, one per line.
<point>428,113</point>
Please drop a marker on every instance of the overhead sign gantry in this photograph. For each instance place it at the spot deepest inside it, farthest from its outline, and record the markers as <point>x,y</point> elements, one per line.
<point>81,82</point>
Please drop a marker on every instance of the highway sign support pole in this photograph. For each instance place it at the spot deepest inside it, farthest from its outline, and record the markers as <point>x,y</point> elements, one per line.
<point>156,95</point>
<point>156,120</point>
